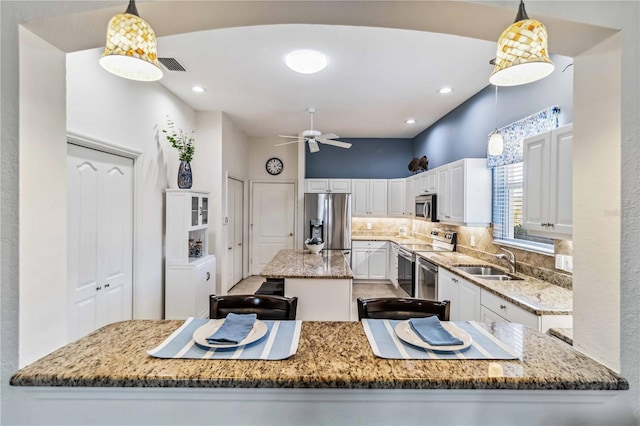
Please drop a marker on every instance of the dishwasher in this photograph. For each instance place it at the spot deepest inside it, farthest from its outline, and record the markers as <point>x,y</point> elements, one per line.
<point>427,279</point>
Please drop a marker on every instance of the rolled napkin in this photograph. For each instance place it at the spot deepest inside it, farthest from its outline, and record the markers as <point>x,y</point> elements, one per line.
<point>234,329</point>
<point>431,331</point>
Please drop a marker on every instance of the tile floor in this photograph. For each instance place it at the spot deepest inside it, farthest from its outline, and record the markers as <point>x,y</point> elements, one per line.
<point>360,289</point>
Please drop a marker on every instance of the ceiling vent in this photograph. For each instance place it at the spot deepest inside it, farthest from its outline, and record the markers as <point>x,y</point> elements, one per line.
<point>172,64</point>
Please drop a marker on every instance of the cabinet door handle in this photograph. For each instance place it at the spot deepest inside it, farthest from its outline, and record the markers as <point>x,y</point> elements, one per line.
<point>107,285</point>
<point>208,275</point>
<point>503,307</point>
<point>99,288</point>
<point>229,248</point>
<point>239,244</point>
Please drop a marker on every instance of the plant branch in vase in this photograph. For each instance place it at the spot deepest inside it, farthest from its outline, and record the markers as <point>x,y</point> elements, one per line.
<point>183,142</point>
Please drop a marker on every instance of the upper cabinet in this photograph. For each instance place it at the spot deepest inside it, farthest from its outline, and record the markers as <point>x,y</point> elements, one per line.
<point>427,182</point>
<point>464,192</point>
<point>396,198</point>
<point>328,185</point>
<point>369,197</point>
<point>547,187</point>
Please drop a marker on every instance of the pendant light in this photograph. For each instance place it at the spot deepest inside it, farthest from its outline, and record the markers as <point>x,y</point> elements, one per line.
<point>521,55</point>
<point>496,143</point>
<point>131,49</point>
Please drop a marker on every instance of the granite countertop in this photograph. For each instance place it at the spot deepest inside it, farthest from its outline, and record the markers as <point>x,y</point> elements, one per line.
<point>564,334</point>
<point>534,295</point>
<point>330,264</point>
<point>531,294</point>
<point>330,355</point>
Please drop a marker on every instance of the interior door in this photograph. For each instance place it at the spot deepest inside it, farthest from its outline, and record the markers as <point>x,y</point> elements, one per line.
<point>235,235</point>
<point>100,239</point>
<point>272,222</point>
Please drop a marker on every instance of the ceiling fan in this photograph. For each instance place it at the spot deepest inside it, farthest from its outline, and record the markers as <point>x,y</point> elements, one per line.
<point>312,137</point>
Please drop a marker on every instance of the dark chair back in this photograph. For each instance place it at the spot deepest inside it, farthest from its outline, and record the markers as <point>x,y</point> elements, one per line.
<point>401,308</point>
<point>266,307</point>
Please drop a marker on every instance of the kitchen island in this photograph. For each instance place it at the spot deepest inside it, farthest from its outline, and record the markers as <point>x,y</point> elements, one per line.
<point>321,282</point>
<point>334,378</point>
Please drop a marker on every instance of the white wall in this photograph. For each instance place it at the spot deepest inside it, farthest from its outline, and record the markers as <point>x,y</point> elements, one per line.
<point>622,15</point>
<point>43,201</point>
<point>262,149</point>
<point>132,114</point>
<point>596,208</point>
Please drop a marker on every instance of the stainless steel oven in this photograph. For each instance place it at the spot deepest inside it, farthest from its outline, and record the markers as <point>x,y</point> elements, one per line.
<point>406,268</point>
<point>427,279</point>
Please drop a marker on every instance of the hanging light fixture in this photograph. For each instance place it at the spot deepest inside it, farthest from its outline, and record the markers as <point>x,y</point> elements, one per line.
<point>131,49</point>
<point>521,56</point>
<point>496,143</point>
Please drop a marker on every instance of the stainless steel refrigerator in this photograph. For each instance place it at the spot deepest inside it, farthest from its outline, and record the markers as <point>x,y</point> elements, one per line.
<point>328,216</point>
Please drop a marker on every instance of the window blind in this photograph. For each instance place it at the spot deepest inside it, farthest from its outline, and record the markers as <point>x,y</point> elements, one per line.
<point>507,209</point>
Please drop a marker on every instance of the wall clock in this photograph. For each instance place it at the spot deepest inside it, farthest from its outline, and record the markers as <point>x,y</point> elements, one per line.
<point>274,166</point>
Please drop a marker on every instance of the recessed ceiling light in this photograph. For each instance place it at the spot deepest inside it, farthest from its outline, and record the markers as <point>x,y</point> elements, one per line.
<point>410,121</point>
<point>306,61</point>
<point>198,89</point>
<point>445,90</point>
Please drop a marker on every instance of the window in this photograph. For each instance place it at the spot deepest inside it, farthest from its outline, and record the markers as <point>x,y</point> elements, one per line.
<point>507,211</point>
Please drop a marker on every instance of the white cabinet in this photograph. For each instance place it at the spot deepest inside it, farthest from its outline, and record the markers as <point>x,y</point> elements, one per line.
<point>369,260</point>
<point>328,185</point>
<point>547,185</point>
<point>495,308</point>
<point>410,195</point>
<point>427,182</point>
<point>190,270</point>
<point>464,192</point>
<point>188,289</point>
<point>464,296</point>
<point>396,205</point>
<point>369,197</point>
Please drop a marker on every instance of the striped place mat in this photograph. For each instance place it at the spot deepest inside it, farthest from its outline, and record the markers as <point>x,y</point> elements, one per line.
<point>280,342</point>
<point>386,344</point>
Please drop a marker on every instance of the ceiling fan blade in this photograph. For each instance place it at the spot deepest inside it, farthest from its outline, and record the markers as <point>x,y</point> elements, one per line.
<point>328,136</point>
<point>291,137</point>
<point>313,146</point>
<point>287,143</point>
<point>335,143</point>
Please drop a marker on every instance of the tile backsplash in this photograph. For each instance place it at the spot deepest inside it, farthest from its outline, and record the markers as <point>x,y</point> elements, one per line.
<point>537,265</point>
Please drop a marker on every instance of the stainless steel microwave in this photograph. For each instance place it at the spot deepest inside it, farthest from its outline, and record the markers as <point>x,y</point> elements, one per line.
<point>427,207</point>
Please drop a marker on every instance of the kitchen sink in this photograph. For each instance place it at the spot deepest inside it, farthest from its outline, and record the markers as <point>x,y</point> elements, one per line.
<point>487,273</point>
<point>480,270</point>
<point>498,277</point>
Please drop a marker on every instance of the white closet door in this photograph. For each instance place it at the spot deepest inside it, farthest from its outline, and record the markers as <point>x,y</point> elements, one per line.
<point>235,195</point>
<point>100,239</point>
<point>272,215</point>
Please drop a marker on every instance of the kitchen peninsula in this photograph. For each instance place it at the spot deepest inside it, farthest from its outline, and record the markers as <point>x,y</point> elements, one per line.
<point>334,378</point>
<point>322,282</point>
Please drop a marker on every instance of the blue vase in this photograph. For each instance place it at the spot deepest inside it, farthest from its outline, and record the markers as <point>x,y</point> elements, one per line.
<point>185,179</point>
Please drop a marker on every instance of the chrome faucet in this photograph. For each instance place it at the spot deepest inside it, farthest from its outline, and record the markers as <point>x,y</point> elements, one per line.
<point>511,260</point>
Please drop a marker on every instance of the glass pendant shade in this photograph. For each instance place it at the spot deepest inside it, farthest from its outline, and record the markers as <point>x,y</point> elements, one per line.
<point>131,51</point>
<point>521,56</point>
<point>496,144</point>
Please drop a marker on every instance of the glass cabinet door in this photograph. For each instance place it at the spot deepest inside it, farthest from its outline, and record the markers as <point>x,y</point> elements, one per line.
<point>205,210</point>
<point>194,211</point>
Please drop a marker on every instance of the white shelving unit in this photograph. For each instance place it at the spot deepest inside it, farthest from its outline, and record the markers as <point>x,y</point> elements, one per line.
<point>189,277</point>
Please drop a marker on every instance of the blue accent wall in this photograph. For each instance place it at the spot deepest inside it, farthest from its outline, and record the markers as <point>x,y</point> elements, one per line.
<point>464,132</point>
<point>366,159</point>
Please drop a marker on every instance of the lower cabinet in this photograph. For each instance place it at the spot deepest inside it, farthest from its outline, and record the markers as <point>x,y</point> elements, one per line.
<point>188,287</point>
<point>496,309</point>
<point>369,260</point>
<point>464,296</point>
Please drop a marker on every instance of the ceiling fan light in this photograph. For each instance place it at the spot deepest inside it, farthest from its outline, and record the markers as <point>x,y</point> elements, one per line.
<point>522,53</point>
<point>131,48</point>
<point>306,61</point>
<point>496,144</point>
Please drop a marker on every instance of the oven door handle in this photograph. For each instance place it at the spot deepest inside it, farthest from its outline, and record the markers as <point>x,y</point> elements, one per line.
<point>405,255</point>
